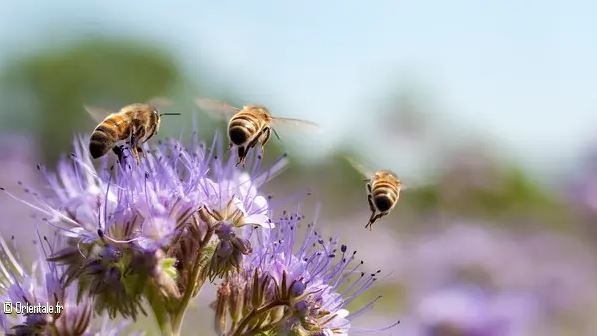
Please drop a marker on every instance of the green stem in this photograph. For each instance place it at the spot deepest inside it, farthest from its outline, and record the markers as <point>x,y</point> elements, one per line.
<point>194,285</point>
<point>161,313</point>
<point>245,321</point>
<point>53,329</point>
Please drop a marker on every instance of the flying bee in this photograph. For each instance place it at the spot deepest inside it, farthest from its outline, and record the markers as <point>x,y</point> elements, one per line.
<point>383,191</point>
<point>134,124</point>
<point>249,125</point>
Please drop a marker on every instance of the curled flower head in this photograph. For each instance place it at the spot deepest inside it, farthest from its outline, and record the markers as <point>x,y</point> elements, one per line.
<point>230,248</point>
<point>132,230</point>
<point>293,287</point>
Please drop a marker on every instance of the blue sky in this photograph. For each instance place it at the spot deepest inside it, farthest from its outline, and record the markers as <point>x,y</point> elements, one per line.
<point>521,74</point>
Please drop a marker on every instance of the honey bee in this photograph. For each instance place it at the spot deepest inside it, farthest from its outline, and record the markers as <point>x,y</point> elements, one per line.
<point>134,124</point>
<point>383,191</point>
<point>249,125</point>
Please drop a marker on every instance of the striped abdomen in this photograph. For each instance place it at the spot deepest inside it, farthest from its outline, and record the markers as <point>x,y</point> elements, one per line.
<point>243,127</point>
<point>385,194</point>
<point>105,136</point>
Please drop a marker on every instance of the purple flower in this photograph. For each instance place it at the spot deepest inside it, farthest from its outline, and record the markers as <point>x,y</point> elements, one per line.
<point>40,288</point>
<point>171,183</point>
<point>147,231</point>
<point>293,286</point>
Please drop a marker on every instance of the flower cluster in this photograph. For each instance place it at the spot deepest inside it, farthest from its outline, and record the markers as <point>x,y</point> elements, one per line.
<point>157,232</point>
<point>290,287</point>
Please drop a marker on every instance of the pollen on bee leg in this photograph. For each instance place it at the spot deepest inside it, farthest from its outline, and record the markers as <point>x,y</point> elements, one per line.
<point>136,155</point>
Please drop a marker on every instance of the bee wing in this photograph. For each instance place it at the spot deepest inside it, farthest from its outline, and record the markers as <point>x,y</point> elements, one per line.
<point>416,184</point>
<point>98,113</point>
<point>297,123</point>
<point>216,108</point>
<point>366,172</point>
<point>159,102</point>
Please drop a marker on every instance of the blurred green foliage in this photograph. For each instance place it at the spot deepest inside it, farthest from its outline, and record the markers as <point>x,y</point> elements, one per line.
<point>57,83</point>
<point>507,195</point>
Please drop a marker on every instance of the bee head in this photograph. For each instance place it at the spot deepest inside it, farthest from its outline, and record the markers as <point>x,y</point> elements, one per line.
<point>158,116</point>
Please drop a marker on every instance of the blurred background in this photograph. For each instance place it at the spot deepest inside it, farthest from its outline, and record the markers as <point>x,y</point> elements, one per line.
<point>487,111</point>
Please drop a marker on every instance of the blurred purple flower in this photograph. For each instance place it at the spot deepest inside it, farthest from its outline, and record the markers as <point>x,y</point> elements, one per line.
<point>18,154</point>
<point>473,279</point>
<point>581,188</point>
<point>468,310</point>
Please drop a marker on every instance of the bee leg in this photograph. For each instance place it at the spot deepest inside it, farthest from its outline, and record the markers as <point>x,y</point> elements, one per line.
<point>373,219</point>
<point>136,155</point>
<point>253,142</point>
<point>263,139</point>
<point>371,205</point>
<point>141,152</point>
<point>118,150</point>
<point>242,156</point>
<point>134,147</point>
<point>244,150</point>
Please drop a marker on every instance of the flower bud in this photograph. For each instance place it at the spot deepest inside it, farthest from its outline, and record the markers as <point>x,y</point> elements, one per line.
<point>297,288</point>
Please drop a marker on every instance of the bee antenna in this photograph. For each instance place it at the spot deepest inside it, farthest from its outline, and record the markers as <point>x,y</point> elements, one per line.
<point>163,114</point>
<point>276,133</point>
